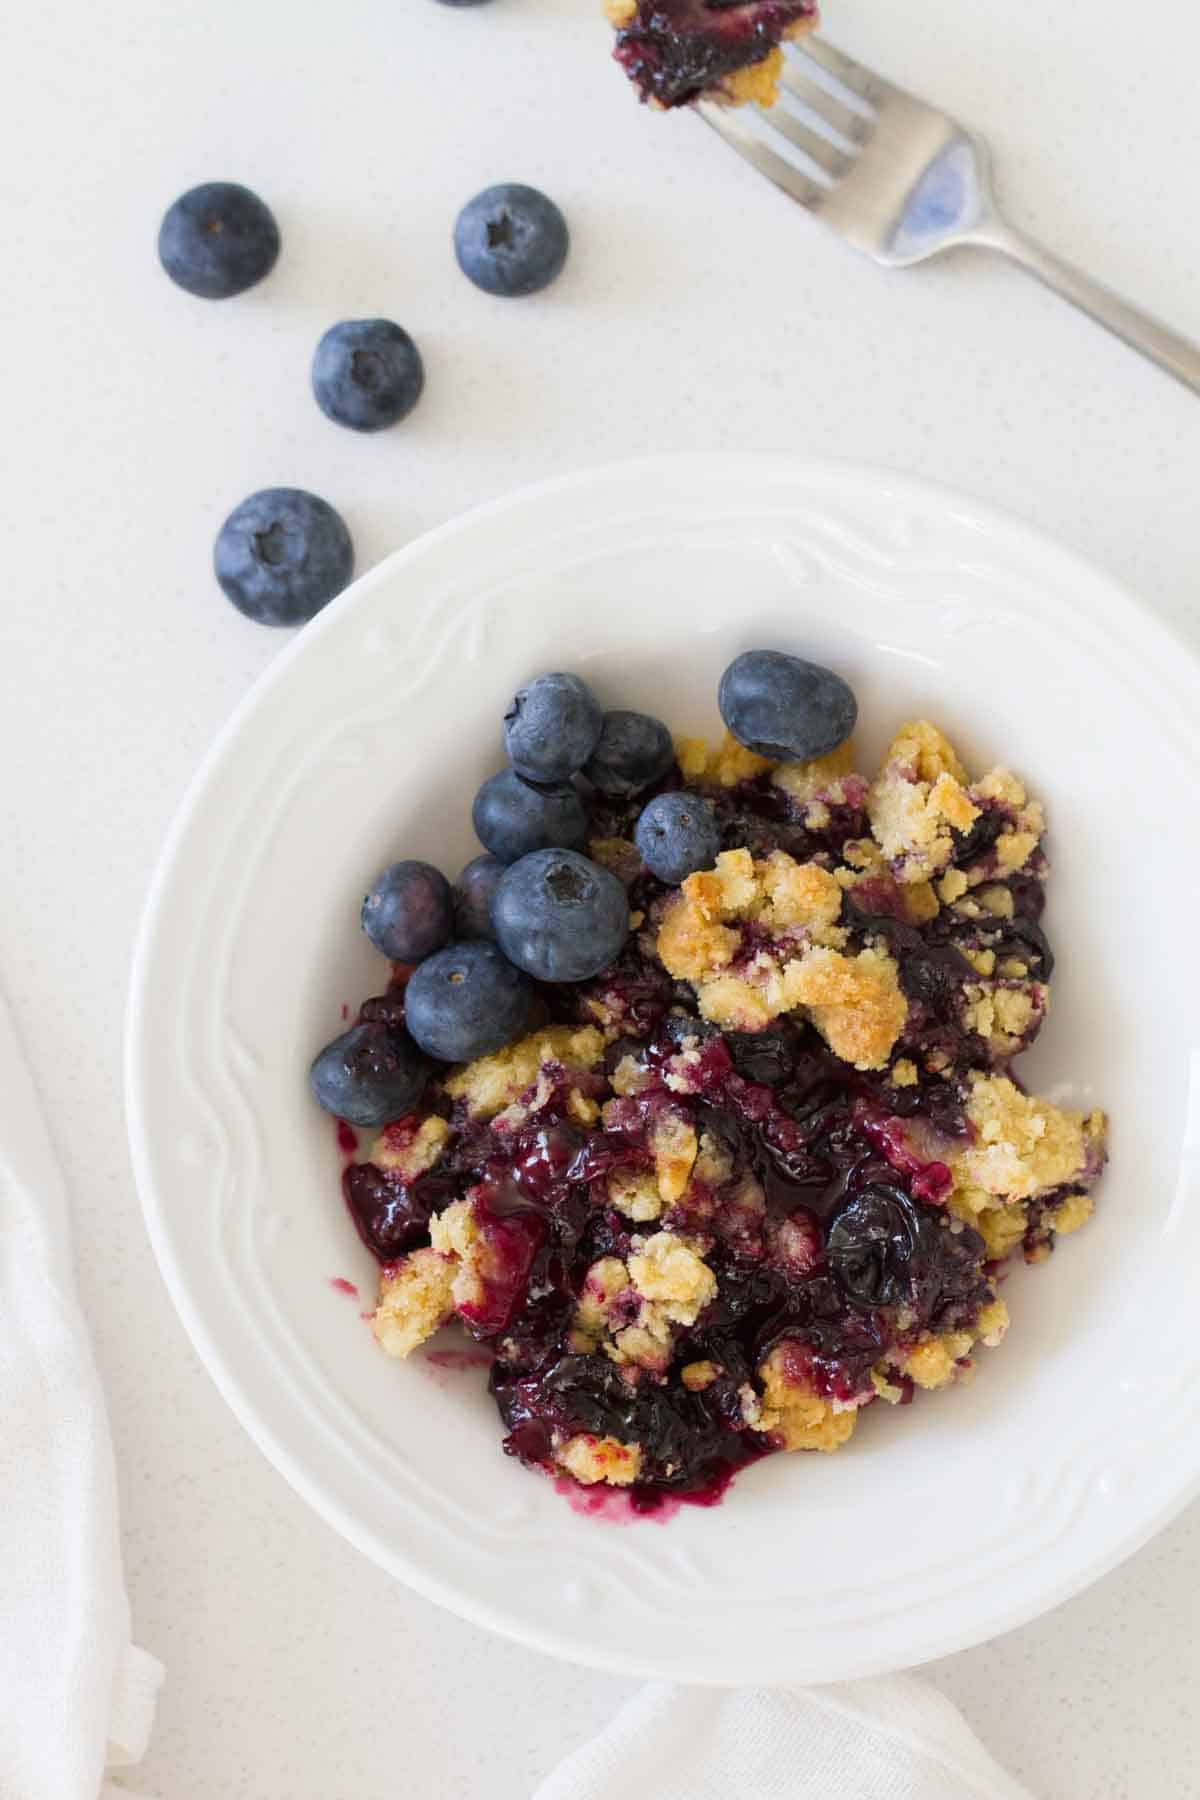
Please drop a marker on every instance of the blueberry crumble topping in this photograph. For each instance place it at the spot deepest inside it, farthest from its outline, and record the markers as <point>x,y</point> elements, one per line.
<point>674,51</point>
<point>733,1148</point>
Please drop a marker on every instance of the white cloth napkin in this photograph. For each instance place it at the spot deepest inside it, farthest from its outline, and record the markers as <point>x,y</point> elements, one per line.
<point>76,1697</point>
<point>892,1739</point>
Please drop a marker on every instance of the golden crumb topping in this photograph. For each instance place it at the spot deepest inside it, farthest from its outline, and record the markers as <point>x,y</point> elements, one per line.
<point>635,1194</point>
<point>416,1298</point>
<point>691,944</point>
<point>603,1282</point>
<point>1071,1213</point>
<point>673,1144</point>
<point>454,1233</point>
<point>795,1415</point>
<point>714,1163</point>
<point>917,802</point>
<point>941,1358</point>
<point>926,753</point>
<point>620,13</point>
<point>1007,1018</point>
<point>818,779</point>
<point>594,1459</point>
<point>855,1002</point>
<point>669,1272</point>
<point>491,1083</point>
<point>922,797</point>
<point>992,1323</point>
<point>935,1363</point>
<point>1000,1227</point>
<point>697,936</point>
<point>796,894</point>
<point>408,1148</point>
<point>696,1376</point>
<point>757,84</point>
<point>725,766</point>
<point>647,1344</point>
<point>1021,1147</point>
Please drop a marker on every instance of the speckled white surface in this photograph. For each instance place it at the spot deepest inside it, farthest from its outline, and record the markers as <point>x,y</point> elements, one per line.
<point>697,309</point>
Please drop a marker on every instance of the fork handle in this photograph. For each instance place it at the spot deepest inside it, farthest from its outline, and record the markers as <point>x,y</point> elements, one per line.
<point>1177,355</point>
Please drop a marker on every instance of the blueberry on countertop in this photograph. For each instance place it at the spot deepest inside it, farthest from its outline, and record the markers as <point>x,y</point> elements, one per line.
<point>512,817</point>
<point>367,374</point>
<point>409,912</point>
<point>466,1001</point>
<point>559,916</point>
<point>677,834</point>
<point>511,240</point>
<point>369,1075</point>
<point>217,240</point>
<point>551,727</point>
<point>473,892</point>
<point>282,555</point>
<point>632,751</point>
<point>785,708</point>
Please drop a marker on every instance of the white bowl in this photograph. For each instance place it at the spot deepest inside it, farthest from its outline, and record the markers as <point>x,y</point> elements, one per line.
<point>940,1525</point>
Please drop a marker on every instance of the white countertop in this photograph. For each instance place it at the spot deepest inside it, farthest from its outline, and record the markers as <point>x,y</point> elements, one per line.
<point>697,310</point>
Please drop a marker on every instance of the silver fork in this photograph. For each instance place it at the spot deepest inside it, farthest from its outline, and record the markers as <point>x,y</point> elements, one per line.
<point>902,181</point>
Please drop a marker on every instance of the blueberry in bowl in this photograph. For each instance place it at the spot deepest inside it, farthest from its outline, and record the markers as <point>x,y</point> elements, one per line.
<point>785,708</point>
<point>552,728</point>
<point>513,817</point>
<point>409,911</point>
<point>559,916</point>
<point>474,892</point>
<point>465,1002</point>
<point>677,834</point>
<point>368,1075</point>
<point>632,752</point>
<point>707,1131</point>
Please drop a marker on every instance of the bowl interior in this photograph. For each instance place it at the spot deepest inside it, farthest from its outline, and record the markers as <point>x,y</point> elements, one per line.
<point>366,743</point>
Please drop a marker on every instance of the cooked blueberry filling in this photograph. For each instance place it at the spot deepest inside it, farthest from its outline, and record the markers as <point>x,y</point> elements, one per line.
<point>674,50</point>
<point>715,1140</point>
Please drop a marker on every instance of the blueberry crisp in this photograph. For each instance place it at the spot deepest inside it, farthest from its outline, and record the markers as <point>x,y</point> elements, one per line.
<point>675,51</point>
<point>701,1119</point>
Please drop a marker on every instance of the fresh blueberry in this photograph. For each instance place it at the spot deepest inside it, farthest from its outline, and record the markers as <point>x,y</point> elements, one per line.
<point>371,1074</point>
<point>633,750</point>
<point>511,240</point>
<point>473,893</point>
<point>676,835</point>
<point>409,912</point>
<point>560,917</point>
<point>551,727</point>
<point>282,555</point>
<point>218,240</point>
<point>367,373</point>
<point>512,817</point>
<point>785,708</point>
<point>465,1002</point>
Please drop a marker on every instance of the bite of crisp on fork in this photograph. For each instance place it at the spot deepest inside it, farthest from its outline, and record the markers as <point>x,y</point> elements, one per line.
<point>675,51</point>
